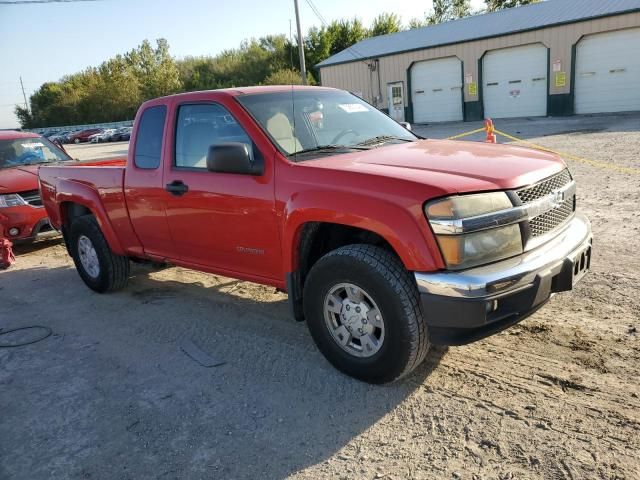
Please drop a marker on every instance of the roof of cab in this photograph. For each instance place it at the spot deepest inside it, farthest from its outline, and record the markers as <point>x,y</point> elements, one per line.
<point>14,134</point>
<point>237,91</point>
<point>270,89</point>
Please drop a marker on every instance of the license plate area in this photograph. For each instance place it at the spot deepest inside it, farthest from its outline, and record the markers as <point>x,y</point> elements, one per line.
<point>581,264</point>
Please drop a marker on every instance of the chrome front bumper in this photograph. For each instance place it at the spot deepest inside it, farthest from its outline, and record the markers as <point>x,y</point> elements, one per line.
<point>464,306</point>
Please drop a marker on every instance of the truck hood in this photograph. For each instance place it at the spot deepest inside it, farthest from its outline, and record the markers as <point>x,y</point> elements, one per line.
<point>450,166</point>
<point>19,179</point>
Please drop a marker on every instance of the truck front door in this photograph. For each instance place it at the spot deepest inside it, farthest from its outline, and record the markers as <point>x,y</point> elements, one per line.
<point>223,221</point>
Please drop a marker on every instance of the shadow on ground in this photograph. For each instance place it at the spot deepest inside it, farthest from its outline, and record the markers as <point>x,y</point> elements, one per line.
<point>24,248</point>
<point>112,395</point>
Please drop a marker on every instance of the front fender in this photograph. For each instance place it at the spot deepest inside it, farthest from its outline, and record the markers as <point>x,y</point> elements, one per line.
<point>85,195</point>
<point>404,227</point>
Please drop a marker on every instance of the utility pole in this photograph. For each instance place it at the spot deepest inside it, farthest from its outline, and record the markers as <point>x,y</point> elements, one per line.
<point>303,70</point>
<point>24,96</point>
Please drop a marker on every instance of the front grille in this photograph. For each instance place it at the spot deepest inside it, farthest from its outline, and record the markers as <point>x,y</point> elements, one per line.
<point>545,187</point>
<point>553,218</point>
<point>32,197</point>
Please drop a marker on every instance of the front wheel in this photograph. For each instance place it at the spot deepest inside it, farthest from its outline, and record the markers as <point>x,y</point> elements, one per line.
<point>100,269</point>
<point>363,312</point>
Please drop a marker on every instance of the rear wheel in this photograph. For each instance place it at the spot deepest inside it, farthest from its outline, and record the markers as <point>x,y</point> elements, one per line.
<point>363,312</point>
<point>100,269</point>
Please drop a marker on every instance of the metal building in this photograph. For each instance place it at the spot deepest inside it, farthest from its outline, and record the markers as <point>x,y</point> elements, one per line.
<point>557,57</point>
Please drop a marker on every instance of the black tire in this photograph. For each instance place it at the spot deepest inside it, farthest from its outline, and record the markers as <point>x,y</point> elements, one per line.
<point>392,288</point>
<point>113,269</point>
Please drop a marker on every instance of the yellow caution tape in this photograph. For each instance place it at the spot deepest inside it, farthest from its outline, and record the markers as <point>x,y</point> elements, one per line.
<point>587,161</point>
<point>477,130</point>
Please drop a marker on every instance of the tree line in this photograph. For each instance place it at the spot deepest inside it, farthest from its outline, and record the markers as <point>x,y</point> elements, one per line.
<point>114,90</point>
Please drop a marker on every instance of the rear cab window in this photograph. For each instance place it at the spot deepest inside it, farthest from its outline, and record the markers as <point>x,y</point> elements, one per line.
<point>148,147</point>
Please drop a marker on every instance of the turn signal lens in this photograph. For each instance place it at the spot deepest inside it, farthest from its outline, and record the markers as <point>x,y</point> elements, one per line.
<point>464,206</point>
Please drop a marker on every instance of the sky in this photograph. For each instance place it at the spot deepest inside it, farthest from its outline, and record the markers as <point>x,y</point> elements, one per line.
<point>42,42</point>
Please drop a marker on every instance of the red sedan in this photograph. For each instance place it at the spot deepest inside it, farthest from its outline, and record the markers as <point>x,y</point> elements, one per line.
<point>22,217</point>
<point>83,135</point>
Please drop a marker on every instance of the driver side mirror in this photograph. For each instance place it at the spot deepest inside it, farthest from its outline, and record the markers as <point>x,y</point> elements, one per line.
<point>234,157</point>
<point>406,125</point>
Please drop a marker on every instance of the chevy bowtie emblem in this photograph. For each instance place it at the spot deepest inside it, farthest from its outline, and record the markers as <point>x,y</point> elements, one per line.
<point>557,198</point>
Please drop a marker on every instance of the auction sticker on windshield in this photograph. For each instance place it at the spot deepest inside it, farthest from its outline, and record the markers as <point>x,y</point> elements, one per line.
<point>353,107</point>
<point>32,145</point>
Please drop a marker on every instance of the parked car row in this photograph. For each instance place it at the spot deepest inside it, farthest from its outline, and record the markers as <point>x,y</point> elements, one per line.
<point>94,135</point>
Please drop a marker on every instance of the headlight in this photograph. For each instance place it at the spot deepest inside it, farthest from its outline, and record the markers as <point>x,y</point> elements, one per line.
<point>11,200</point>
<point>475,229</point>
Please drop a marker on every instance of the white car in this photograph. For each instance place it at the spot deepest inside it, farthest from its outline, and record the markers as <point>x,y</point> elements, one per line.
<point>102,136</point>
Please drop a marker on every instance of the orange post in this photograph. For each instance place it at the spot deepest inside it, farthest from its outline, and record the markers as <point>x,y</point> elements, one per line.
<point>488,126</point>
<point>6,254</point>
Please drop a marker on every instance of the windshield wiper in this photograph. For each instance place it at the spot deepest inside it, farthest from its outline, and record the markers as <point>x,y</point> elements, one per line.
<point>328,148</point>
<point>382,139</point>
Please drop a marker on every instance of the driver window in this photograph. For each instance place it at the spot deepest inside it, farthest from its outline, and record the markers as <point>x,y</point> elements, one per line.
<point>199,127</point>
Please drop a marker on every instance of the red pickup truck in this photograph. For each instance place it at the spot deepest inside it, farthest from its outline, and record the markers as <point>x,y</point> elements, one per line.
<point>385,242</point>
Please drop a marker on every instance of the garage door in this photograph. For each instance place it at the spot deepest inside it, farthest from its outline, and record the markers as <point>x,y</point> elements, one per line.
<point>515,82</point>
<point>608,72</point>
<point>436,90</point>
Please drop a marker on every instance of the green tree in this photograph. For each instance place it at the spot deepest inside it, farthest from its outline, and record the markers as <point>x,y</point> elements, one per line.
<point>417,23</point>
<point>111,91</point>
<point>155,69</point>
<point>317,46</point>
<point>287,76</point>
<point>250,64</point>
<point>115,89</point>
<point>493,5</point>
<point>24,116</point>
<point>197,73</point>
<point>346,33</point>
<point>321,43</point>
<point>446,10</point>
<point>385,23</point>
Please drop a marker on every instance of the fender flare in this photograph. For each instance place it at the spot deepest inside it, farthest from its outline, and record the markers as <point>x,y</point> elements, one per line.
<point>407,233</point>
<point>81,194</point>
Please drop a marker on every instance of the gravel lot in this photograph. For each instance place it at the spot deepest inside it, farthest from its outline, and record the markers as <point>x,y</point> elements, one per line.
<point>111,394</point>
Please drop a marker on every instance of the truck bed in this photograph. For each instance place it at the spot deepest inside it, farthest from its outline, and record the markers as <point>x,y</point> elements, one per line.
<point>100,183</point>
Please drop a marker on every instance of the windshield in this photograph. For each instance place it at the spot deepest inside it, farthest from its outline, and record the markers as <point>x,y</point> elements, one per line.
<point>29,151</point>
<point>322,121</point>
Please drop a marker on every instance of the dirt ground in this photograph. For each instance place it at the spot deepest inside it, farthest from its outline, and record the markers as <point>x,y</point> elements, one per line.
<point>111,394</point>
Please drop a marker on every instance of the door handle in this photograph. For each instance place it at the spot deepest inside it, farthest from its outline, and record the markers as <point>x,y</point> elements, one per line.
<point>177,187</point>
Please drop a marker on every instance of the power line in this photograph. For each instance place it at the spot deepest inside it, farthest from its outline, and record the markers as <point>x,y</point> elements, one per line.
<point>357,55</point>
<point>27,2</point>
<point>317,12</point>
<point>372,64</point>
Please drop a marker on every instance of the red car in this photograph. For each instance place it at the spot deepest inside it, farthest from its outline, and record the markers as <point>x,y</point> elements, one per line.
<point>83,135</point>
<point>22,217</point>
<point>385,242</point>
